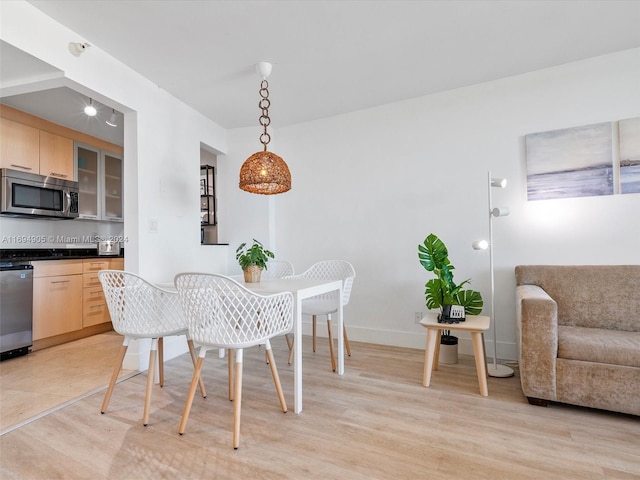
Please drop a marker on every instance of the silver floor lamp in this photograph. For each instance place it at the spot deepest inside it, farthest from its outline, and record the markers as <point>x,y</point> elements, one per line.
<point>494,370</point>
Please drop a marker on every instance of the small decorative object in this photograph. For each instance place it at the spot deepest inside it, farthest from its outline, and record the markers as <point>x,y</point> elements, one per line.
<point>253,260</point>
<point>442,292</point>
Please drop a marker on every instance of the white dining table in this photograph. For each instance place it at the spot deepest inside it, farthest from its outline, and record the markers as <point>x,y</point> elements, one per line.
<point>302,289</point>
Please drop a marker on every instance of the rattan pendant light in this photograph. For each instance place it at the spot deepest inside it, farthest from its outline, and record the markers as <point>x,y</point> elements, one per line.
<point>265,172</point>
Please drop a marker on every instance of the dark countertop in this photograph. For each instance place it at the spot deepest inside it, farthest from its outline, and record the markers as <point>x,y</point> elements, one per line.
<point>28,254</point>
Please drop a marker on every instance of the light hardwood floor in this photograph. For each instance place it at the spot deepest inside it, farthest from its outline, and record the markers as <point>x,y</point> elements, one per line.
<point>375,422</point>
<point>43,380</point>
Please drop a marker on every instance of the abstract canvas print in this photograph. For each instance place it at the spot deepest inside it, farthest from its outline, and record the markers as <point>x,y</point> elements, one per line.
<point>572,162</point>
<point>629,131</point>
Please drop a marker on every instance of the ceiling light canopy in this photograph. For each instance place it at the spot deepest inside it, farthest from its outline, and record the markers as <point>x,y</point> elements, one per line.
<point>265,172</point>
<point>90,110</point>
<point>77,48</point>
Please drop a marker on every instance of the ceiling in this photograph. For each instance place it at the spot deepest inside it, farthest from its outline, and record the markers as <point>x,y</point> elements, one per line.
<point>333,57</point>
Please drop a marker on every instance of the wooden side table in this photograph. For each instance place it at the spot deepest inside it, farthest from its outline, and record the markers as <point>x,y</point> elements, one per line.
<point>475,324</point>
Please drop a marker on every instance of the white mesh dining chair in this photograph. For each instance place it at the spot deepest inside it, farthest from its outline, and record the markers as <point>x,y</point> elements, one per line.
<point>278,269</point>
<point>142,310</point>
<point>221,313</point>
<point>327,304</point>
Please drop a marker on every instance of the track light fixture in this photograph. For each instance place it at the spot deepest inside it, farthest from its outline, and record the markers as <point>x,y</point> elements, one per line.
<point>90,110</point>
<point>113,121</point>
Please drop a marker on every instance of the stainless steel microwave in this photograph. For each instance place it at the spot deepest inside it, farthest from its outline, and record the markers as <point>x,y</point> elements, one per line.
<point>28,194</point>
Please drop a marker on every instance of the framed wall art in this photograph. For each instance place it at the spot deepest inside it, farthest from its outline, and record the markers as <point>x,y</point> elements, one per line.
<point>572,162</point>
<point>629,134</point>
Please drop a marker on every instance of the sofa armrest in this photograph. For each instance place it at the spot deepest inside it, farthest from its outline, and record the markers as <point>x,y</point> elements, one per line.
<point>537,315</point>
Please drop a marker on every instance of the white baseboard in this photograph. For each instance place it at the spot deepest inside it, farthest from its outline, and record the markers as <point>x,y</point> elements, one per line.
<point>396,338</point>
<point>137,357</point>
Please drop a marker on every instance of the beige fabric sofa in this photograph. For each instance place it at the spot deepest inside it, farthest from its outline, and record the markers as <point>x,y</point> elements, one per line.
<point>579,335</point>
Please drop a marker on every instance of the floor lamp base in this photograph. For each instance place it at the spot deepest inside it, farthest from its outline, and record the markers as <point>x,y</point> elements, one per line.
<point>501,371</point>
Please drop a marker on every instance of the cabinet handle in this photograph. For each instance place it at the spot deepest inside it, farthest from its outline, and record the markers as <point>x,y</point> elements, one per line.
<point>61,281</point>
<point>61,175</point>
<point>21,166</point>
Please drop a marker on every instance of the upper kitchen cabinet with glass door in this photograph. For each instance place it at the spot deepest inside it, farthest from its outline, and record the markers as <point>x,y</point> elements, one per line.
<point>100,182</point>
<point>112,206</point>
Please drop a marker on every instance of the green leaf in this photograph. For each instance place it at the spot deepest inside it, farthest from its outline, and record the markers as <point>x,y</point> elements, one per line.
<point>433,255</point>
<point>471,301</point>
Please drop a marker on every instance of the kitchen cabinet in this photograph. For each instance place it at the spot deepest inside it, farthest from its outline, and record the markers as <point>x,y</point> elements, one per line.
<point>94,305</point>
<point>28,149</point>
<point>56,156</point>
<point>57,297</point>
<point>68,302</point>
<point>112,207</point>
<point>19,146</point>
<point>99,176</point>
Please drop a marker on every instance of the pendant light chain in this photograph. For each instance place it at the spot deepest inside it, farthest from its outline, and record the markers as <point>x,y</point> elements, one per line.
<point>264,105</point>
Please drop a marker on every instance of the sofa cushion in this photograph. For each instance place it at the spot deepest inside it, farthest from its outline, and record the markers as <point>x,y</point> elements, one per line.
<point>598,296</point>
<point>600,345</point>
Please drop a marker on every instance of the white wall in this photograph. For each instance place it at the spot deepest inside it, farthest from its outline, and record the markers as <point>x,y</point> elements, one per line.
<point>367,186</point>
<point>161,148</point>
<point>370,185</point>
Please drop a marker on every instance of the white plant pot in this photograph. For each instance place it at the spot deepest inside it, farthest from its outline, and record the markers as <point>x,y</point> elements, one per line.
<point>448,354</point>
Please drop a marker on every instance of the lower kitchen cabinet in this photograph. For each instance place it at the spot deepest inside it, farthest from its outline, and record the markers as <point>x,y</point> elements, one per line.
<point>57,297</point>
<point>94,305</point>
<point>68,302</point>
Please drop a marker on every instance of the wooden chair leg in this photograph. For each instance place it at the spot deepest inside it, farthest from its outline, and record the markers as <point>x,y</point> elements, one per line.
<point>237,400</point>
<point>161,361</point>
<point>289,338</point>
<point>333,358</point>
<point>192,393</point>
<point>290,359</point>
<point>276,378</point>
<point>150,374</point>
<point>114,375</point>
<point>192,352</point>
<point>230,366</point>
<point>313,327</point>
<point>346,340</point>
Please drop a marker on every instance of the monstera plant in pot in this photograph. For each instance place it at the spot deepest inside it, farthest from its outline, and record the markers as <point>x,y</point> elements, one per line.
<point>253,260</point>
<point>442,290</point>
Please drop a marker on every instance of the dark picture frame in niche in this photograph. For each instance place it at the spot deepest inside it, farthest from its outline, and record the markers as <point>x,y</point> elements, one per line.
<point>208,203</point>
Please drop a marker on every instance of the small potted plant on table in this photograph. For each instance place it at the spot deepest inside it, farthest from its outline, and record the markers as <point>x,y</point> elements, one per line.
<point>442,290</point>
<point>253,260</point>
